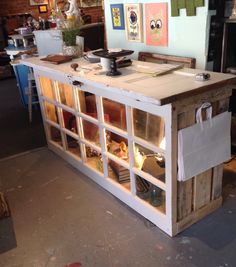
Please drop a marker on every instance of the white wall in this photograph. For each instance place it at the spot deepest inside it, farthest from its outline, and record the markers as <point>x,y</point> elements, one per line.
<point>188,36</point>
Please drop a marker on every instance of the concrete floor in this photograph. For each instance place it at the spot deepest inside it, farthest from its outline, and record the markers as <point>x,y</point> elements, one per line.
<point>16,133</point>
<point>59,217</point>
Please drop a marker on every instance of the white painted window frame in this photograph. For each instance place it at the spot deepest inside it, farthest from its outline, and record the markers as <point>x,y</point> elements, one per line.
<point>163,221</point>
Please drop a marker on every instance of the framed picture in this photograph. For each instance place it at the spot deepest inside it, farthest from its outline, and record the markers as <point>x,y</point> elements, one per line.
<point>156,19</point>
<point>90,3</point>
<point>38,2</point>
<point>134,22</point>
<point>117,15</point>
<point>43,9</point>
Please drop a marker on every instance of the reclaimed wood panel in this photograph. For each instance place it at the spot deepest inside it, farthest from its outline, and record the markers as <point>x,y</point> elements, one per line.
<point>184,198</point>
<point>185,189</point>
<point>174,155</point>
<point>217,181</point>
<point>187,62</point>
<point>218,107</point>
<point>207,185</point>
<point>199,214</point>
<point>212,96</point>
<point>202,189</point>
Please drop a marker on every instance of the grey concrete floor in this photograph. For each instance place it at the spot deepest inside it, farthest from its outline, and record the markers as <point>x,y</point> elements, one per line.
<point>59,217</point>
<point>16,133</point>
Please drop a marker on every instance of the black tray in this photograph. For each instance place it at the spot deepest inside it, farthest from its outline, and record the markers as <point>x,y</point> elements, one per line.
<point>105,53</point>
<point>112,56</point>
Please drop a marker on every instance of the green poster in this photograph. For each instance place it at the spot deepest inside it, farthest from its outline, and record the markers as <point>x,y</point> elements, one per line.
<point>190,8</point>
<point>199,3</point>
<point>174,8</point>
<point>181,4</point>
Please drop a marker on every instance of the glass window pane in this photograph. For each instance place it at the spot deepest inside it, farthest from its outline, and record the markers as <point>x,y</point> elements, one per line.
<point>47,87</point>
<point>69,121</point>
<point>93,159</point>
<point>91,132</point>
<point>51,112</point>
<point>119,174</point>
<point>88,104</point>
<point>54,135</point>
<point>148,126</point>
<point>114,113</point>
<point>150,193</point>
<point>73,146</point>
<point>81,98</point>
<point>117,145</point>
<point>66,95</point>
<point>150,162</point>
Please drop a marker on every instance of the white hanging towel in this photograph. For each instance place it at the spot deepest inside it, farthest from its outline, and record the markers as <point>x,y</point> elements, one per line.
<point>205,144</point>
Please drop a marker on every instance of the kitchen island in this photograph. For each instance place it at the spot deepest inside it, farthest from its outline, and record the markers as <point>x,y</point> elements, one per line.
<point>122,133</point>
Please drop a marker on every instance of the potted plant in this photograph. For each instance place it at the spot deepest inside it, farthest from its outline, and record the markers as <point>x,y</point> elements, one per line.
<point>69,36</point>
<point>69,33</point>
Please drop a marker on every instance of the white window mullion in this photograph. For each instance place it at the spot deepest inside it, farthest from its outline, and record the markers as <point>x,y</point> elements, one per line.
<point>59,113</point>
<point>79,124</point>
<point>130,129</point>
<point>102,134</point>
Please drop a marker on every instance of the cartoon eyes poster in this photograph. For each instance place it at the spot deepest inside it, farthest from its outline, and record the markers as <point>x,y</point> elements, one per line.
<point>134,23</point>
<point>156,24</point>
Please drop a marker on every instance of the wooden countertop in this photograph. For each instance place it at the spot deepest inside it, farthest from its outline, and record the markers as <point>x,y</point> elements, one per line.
<point>136,82</point>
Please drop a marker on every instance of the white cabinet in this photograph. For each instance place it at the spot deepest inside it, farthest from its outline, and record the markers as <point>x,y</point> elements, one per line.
<point>125,139</point>
<point>116,142</point>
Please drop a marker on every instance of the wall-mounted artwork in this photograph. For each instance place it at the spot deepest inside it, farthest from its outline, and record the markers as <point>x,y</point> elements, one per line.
<point>43,8</point>
<point>90,3</point>
<point>190,6</point>
<point>156,16</point>
<point>117,15</point>
<point>134,22</point>
<point>38,2</point>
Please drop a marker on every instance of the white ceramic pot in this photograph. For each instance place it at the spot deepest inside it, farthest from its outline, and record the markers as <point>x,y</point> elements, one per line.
<point>106,64</point>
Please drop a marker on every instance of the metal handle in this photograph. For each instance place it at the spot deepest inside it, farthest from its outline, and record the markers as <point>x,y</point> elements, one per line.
<point>77,83</point>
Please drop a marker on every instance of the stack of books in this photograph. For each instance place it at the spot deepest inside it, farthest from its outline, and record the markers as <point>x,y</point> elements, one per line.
<point>122,173</point>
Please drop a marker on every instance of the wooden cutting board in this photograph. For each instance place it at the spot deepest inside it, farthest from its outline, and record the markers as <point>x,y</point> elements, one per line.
<point>57,59</point>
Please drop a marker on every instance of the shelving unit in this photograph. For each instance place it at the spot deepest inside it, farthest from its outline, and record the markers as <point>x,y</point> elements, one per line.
<point>125,139</point>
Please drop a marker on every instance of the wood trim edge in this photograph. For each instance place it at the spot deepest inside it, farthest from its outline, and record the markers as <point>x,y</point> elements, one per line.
<point>198,215</point>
